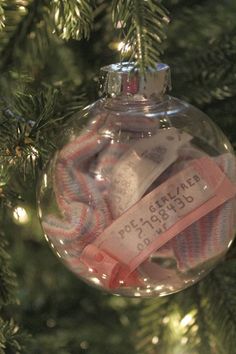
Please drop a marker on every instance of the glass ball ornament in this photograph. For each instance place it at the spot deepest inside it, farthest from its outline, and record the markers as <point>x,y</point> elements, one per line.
<point>140,198</point>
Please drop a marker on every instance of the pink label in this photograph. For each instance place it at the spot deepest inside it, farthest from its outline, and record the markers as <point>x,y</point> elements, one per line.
<point>164,213</point>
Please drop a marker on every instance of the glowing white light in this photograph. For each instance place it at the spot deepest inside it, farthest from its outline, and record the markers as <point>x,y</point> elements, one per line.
<point>20,215</point>
<point>40,213</point>
<point>107,133</point>
<point>186,320</point>
<point>155,340</point>
<point>58,254</point>
<point>99,177</point>
<point>45,180</point>
<point>148,290</point>
<point>159,287</point>
<point>166,320</point>
<point>22,8</point>
<point>90,270</point>
<point>137,294</point>
<point>61,242</point>
<point>122,47</point>
<point>35,153</point>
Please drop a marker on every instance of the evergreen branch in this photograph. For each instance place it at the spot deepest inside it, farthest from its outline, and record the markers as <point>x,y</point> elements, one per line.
<point>12,341</point>
<point>29,38</point>
<point>174,324</point>
<point>191,306</point>
<point>29,128</point>
<point>9,198</point>
<point>143,23</point>
<point>192,324</point>
<point>199,31</point>
<point>177,6</point>
<point>73,18</point>
<point>219,292</point>
<point>226,109</point>
<point>202,340</point>
<point>213,72</point>
<point>208,48</point>
<point>14,14</point>
<point>151,325</point>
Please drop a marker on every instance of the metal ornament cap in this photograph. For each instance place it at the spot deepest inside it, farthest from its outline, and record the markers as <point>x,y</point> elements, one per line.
<point>124,79</point>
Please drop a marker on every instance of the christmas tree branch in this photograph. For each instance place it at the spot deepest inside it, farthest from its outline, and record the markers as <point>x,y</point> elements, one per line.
<point>213,72</point>
<point>10,16</point>
<point>74,18</point>
<point>29,36</point>
<point>143,27</point>
<point>226,109</point>
<point>194,322</point>
<point>25,137</point>
<point>177,6</point>
<point>12,339</point>
<point>152,325</point>
<point>208,48</point>
<point>202,338</point>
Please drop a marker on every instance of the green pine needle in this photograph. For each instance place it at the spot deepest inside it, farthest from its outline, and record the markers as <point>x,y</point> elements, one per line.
<point>151,326</point>
<point>30,125</point>
<point>12,340</point>
<point>191,306</point>
<point>213,72</point>
<point>26,36</point>
<point>73,18</point>
<point>143,25</point>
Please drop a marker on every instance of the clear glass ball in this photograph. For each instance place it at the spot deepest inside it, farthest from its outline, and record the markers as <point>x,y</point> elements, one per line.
<point>140,198</point>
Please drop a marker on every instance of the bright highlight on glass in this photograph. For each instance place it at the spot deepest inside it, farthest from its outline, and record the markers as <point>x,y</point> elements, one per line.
<point>122,47</point>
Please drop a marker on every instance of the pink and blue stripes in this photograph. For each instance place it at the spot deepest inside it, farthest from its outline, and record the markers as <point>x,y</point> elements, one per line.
<point>81,186</point>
